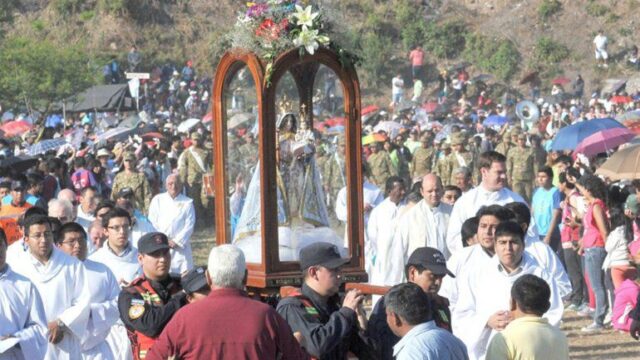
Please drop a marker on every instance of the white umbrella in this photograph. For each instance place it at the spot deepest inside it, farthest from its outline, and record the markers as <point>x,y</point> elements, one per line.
<point>186,125</point>
<point>390,127</point>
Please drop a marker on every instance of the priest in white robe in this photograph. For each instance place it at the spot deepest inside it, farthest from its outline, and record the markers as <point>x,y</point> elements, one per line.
<point>483,304</point>
<point>106,337</point>
<point>117,253</point>
<point>380,232</point>
<point>62,279</point>
<point>490,191</point>
<point>22,318</point>
<point>173,214</point>
<point>425,224</point>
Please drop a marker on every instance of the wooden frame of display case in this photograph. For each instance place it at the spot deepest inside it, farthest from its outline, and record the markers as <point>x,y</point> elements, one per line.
<point>271,273</point>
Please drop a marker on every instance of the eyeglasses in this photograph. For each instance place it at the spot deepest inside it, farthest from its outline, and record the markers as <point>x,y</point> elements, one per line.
<point>44,235</point>
<point>119,228</point>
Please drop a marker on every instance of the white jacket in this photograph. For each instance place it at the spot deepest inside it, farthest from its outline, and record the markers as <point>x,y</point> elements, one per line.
<point>616,247</point>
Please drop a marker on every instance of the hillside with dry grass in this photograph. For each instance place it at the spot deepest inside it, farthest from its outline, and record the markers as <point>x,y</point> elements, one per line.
<point>554,37</point>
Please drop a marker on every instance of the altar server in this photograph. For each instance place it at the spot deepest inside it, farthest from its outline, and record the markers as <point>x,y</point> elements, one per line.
<point>21,313</point>
<point>62,279</point>
<point>173,214</point>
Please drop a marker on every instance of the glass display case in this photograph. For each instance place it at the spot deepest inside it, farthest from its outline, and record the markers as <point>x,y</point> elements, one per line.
<point>288,161</point>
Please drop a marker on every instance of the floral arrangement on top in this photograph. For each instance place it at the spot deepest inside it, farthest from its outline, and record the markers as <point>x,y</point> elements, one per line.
<point>269,27</point>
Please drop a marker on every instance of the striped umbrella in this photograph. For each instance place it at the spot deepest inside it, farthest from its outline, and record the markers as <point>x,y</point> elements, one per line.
<point>45,146</point>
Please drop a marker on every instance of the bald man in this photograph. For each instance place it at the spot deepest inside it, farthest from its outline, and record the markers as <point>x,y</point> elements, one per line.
<point>70,196</point>
<point>425,224</point>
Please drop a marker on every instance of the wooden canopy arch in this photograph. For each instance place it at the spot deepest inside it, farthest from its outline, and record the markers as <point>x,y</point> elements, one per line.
<point>272,273</point>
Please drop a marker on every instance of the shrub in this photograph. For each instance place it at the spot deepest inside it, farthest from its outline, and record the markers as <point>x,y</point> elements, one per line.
<point>67,7</point>
<point>497,56</point>
<point>87,15</point>
<point>548,8</point>
<point>548,52</point>
<point>596,10</point>
<point>445,41</point>
<point>377,50</point>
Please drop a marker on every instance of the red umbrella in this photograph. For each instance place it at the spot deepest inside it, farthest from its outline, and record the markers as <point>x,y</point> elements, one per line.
<point>604,140</point>
<point>152,135</point>
<point>620,99</point>
<point>14,128</point>
<point>207,118</point>
<point>430,106</point>
<point>335,121</point>
<point>560,80</point>
<point>369,109</point>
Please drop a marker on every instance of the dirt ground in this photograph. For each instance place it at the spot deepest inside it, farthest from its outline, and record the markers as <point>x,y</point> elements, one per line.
<point>609,345</point>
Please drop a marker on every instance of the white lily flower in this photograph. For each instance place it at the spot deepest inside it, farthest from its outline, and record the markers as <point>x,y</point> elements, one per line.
<point>308,39</point>
<point>304,16</point>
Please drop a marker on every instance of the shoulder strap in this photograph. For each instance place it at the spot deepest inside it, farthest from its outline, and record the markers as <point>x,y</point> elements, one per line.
<point>198,159</point>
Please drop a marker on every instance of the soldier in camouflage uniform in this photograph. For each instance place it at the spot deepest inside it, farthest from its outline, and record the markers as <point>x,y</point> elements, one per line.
<point>333,174</point>
<point>441,161</point>
<point>192,164</point>
<point>505,145</point>
<point>380,165</point>
<point>459,157</point>
<point>423,158</point>
<point>520,168</point>
<point>136,181</point>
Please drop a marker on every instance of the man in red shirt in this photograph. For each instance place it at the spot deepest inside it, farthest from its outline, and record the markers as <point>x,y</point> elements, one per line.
<point>227,324</point>
<point>416,56</point>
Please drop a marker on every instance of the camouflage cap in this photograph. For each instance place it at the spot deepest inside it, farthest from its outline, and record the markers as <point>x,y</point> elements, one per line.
<point>457,139</point>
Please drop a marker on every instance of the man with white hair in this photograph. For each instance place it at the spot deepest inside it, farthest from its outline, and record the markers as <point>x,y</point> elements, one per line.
<point>62,210</point>
<point>70,196</point>
<point>227,323</point>
<point>173,213</point>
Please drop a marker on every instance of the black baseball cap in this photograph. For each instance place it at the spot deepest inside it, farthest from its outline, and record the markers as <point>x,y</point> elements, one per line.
<point>321,254</point>
<point>194,280</point>
<point>431,259</point>
<point>152,242</point>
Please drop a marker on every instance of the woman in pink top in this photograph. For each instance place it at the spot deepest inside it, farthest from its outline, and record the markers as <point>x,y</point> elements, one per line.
<point>596,229</point>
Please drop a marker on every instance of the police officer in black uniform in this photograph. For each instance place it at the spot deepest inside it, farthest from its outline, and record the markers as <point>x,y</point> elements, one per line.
<point>149,302</point>
<point>329,330</point>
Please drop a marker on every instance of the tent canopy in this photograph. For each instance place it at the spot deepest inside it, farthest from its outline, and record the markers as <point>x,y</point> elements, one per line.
<point>102,98</point>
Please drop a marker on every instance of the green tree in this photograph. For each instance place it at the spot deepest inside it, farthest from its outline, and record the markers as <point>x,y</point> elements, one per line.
<point>39,74</point>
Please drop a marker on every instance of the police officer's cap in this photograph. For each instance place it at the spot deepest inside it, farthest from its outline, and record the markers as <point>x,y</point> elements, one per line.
<point>321,254</point>
<point>431,259</point>
<point>194,280</point>
<point>152,242</point>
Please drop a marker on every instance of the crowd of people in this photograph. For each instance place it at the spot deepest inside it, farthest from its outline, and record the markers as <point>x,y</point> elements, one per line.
<point>483,234</point>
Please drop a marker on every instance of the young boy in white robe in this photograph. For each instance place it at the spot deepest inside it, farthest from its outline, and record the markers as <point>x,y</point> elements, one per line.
<point>483,303</point>
<point>106,337</point>
<point>62,282</point>
<point>117,253</point>
<point>23,321</point>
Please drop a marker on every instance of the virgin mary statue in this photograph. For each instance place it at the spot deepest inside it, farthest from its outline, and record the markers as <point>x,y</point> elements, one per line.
<point>302,212</point>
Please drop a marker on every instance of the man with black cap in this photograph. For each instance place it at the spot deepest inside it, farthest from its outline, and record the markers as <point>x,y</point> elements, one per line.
<point>194,283</point>
<point>152,299</point>
<point>328,330</point>
<point>9,213</point>
<point>426,268</point>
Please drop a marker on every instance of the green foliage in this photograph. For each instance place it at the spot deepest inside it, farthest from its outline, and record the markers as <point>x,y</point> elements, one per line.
<point>412,24</point>
<point>67,7</point>
<point>42,73</point>
<point>37,25</point>
<point>445,41</point>
<point>549,52</point>
<point>87,15</point>
<point>595,9</point>
<point>7,7</point>
<point>115,7</point>
<point>378,50</point>
<point>548,8</point>
<point>497,56</point>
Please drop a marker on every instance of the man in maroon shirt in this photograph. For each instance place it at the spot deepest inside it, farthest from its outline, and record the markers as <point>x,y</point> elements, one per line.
<point>227,324</point>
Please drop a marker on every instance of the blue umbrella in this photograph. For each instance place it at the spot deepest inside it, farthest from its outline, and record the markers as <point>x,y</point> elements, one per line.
<point>570,136</point>
<point>44,146</point>
<point>495,120</point>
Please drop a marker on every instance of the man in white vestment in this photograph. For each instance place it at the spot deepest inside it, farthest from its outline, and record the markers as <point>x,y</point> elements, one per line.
<point>543,253</point>
<point>483,305</point>
<point>61,281</point>
<point>19,247</point>
<point>22,318</point>
<point>140,225</point>
<point>86,211</point>
<point>173,214</point>
<point>490,191</point>
<point>474,257</point>
<point>117,253</point>
<point>380,233</point>
<point>425,224</point>
<point>106,337</point>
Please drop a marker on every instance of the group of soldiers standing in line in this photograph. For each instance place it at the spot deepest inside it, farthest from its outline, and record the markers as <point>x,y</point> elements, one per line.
<point>454,159</point>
